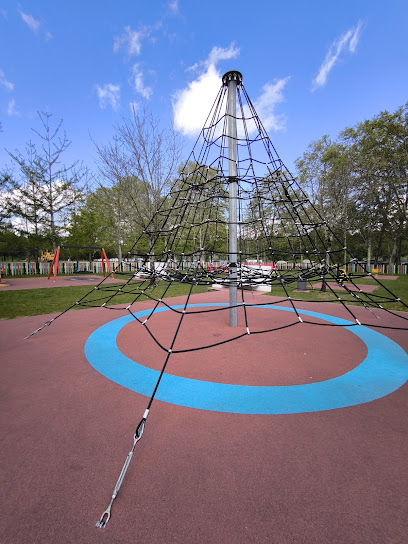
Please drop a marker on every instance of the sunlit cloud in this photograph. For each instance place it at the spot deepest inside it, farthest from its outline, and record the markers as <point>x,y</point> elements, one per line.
<point>5,83</point>
<point>272,94</point>
<point>346,42</point>
<point>108,95</point>
<point>219,53</point>
<point>192,104</point>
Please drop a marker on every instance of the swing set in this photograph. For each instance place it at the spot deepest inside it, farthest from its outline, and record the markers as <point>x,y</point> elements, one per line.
<point>55,262</point>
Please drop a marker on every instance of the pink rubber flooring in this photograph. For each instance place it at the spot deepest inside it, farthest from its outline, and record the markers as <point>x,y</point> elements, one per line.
<point>337,476</point>
<point>11,283</point>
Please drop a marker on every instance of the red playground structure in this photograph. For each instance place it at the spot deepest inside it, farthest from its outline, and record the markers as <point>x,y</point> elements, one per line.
<point>55,262</point>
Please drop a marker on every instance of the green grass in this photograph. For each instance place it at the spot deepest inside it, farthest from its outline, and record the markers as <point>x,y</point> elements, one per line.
<point>25,302</point>
<point>398,287</point>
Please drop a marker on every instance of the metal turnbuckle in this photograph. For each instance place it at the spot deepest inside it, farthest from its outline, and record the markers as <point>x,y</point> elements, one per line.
<point>40,329</point>
<point>105,517</point>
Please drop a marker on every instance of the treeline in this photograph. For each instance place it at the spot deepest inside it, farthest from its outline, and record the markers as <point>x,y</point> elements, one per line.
<point>45,204</point>
<point>358,182</point>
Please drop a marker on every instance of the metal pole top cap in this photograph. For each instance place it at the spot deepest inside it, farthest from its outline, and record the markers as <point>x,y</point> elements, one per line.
<point>234,75</point>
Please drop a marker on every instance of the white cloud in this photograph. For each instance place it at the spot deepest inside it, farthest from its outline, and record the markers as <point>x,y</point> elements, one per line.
<point>216,55</point>
<point>109,95</point>
<point>219,53</point>
<point>34,25</point>
<point>4,82</point>
<point>355,37</point>
<point>11,109</point>
<point>192,104</point>
<point>29,20</point>
<point>347,41</point>
<point>131,40</point>
<point>265,105</point>
<point>137,82</point>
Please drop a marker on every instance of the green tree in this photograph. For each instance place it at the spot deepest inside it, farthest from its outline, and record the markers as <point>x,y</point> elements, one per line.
<point>104,220</point>
<point>359,183</point>
<point>25,200</point>
<point>380,162</point>
<point>197,218</point>
<point>47,190</point>
<point>12,245</point>
<point>326,174</point>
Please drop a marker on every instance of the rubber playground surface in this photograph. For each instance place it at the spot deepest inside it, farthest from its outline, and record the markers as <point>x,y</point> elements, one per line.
<point>306,454</point>
<point>11,283</point>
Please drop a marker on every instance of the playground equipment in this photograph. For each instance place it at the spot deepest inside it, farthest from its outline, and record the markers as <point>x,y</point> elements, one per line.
<point>55,261</point>
<point>47,256</point>
<point>236,202</point>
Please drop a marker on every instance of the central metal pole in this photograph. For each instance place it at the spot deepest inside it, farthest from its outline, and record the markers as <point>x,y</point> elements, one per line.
<point>231,80</point>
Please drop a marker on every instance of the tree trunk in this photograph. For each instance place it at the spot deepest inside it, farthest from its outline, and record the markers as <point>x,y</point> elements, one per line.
<point>119,250</point>
<point>345,246</point>
<point>369,252</point>
<point>394,253</point>
<point>327,264</point>
<point>379,245</point>
<point>151,254</point>
<point>396,248</point>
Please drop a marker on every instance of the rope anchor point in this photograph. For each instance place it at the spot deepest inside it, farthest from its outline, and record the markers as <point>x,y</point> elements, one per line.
<point>105,517</point>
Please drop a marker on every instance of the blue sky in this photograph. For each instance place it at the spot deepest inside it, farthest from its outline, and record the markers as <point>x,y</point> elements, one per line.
<point>311,68</point>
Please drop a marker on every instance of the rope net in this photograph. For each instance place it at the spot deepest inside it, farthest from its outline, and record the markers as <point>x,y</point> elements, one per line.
<point>186,240</point>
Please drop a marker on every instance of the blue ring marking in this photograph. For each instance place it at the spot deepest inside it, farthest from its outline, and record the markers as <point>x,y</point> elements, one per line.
<point>383,371</point>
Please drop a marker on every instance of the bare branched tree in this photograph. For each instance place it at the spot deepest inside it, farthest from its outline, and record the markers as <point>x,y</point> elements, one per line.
<point>140,161</point>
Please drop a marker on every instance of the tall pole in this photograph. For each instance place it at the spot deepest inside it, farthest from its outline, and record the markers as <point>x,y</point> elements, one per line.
<point>231,80</point>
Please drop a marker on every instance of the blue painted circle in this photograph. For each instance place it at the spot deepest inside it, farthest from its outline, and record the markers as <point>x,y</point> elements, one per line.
<point>383,371</point>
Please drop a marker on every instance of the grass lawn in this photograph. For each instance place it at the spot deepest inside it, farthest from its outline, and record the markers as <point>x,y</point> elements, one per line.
<point>25,302</point>
<point>398,287</point>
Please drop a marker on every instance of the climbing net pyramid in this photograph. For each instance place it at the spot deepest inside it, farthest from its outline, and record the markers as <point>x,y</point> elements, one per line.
<point>233,206</point>
<point>187,239</point>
